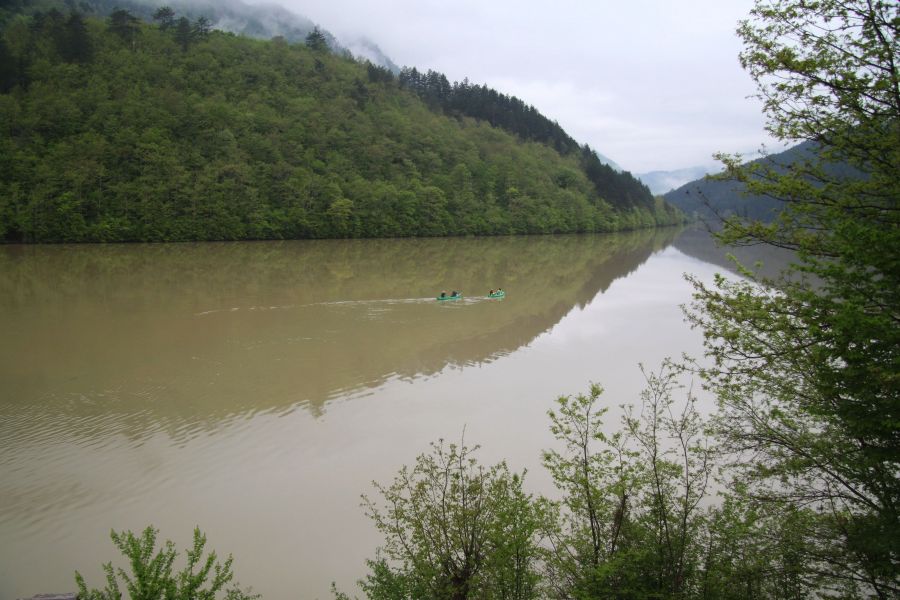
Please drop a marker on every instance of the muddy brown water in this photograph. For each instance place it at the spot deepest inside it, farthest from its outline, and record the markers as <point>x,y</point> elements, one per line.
<point>256,389</point>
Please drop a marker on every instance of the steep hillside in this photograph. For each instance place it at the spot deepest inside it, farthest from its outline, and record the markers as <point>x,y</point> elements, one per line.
<point>512,114</point>
<point>117,130</point>
<point>711,198</point>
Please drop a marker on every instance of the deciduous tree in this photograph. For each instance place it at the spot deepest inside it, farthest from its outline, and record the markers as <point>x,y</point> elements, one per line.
<point>806,365</point>
<point>152,577</point>
<point>454,529</point>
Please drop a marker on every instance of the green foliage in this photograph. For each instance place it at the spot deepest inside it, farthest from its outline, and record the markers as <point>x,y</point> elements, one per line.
<point>152,577</point>
<point>125,25</point>
<point>165,16</point>
<point>630,521</point>
<point>454,529</point>
<point>752,551</point>
<point>203,135</point>
<point>316,41</point>
<point>622,190</point>
<point>805,365</point>
<point>717,197</point>
<point>635,518</point>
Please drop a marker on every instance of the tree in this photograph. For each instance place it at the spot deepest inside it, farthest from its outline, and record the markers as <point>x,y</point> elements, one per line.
<point>671,446</point>
<point>629,524</point>
<point>184,33</point>
<point>201,28</point>
<point>8,71</point>
<point>166,17</point>
<point>125,25</point>
<point>750,551</point>
<point>454,529</point>
<point>316,40</point>
<point>151,576</point>
<point>340,213</point>
<point>75,41</point>
<point>806,364</point>
<point>596,487</point>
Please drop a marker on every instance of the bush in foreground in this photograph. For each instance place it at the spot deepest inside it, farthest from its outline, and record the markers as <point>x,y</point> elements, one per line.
<point>152,578</point>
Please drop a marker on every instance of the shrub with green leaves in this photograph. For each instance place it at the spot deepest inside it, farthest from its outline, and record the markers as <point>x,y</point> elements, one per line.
<point>454,529</point>
<point>152,576</point>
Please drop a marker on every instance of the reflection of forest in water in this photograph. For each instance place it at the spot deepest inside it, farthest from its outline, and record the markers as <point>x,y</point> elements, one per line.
<point>698,242</point>
<point>193,333</point>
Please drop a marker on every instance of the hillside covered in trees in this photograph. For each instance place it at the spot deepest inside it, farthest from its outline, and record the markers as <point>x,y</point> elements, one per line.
<point>717,197</point>
<point>120,130</point>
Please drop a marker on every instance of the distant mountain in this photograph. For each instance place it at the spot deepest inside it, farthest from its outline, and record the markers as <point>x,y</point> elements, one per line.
<point>661,182</point>
<point>710,198</point>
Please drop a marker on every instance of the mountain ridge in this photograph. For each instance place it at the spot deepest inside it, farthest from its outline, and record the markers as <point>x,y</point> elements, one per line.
<point>711,198</point>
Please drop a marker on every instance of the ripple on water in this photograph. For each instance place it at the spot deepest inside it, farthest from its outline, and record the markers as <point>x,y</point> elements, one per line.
<point>68,459</point>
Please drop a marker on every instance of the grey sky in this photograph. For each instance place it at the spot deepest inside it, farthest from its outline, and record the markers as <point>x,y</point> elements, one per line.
<point>652,84</point>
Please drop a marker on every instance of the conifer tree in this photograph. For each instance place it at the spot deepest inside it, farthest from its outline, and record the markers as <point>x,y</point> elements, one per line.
<point>316,40</point>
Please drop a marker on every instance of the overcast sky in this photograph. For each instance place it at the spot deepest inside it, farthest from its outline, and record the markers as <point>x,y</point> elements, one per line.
<point>651,84</point>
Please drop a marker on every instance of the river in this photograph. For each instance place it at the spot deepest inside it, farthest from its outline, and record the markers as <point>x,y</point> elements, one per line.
<point>256,389</point>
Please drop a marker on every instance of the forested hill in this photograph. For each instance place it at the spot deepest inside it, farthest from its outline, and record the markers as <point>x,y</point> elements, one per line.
<point>715,198</point>
<point>512,114</point>
<point>119,130</point>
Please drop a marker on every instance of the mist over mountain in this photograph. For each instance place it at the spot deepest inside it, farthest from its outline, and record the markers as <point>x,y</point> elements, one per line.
<point>260,21</point>
<point>610,162</point>
<point>267,20</point>
<point>661,182</point>
<point>365,49</point>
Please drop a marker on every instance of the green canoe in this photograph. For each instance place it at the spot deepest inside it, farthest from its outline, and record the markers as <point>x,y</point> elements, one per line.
<point>456,297</point>
<point>497,295</point>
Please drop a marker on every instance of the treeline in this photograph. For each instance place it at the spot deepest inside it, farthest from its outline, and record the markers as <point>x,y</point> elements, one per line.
<point>120,130</point>
<point>622,190</point>
<point>485,103</point>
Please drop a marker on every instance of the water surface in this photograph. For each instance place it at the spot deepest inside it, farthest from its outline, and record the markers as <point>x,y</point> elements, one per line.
<point>256,389</point>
